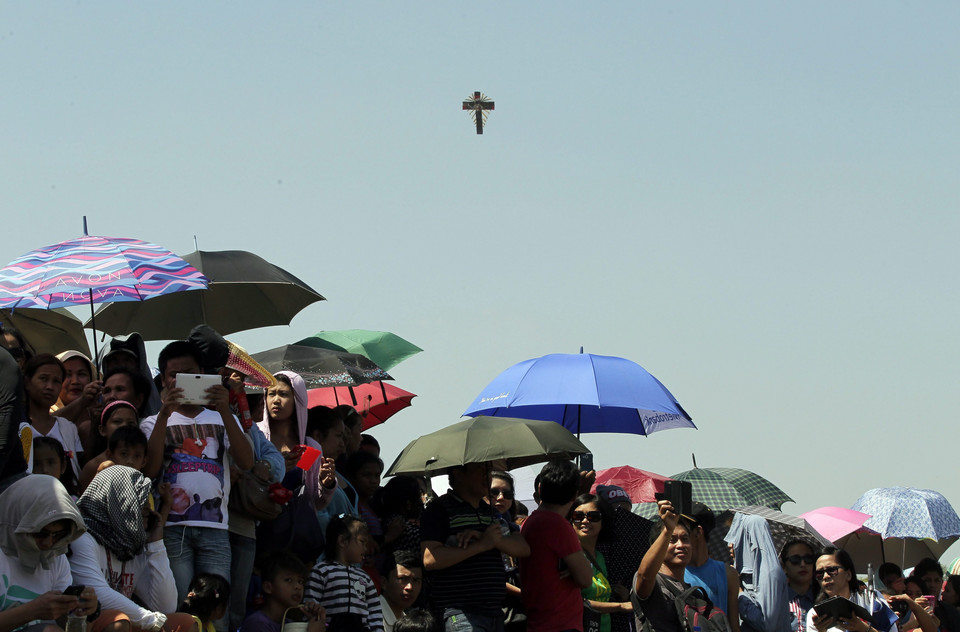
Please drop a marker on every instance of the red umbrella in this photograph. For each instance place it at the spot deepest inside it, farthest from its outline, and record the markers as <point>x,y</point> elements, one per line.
<point>375,401</point>
<point>639,484</point>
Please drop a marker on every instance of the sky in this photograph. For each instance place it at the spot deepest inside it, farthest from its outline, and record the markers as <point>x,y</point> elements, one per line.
<point>755,201</point>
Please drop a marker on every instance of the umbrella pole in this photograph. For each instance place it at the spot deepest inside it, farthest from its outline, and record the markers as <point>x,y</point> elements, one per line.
<point>93,321</point>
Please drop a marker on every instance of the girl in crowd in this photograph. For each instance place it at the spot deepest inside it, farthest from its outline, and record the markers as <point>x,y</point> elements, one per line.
<point>43,379</point>
<point>335,582</point>
<point>592,519</point>
<point>115,414</point>
<point>798,558</point>
<point>49,458</point>
<point>207,600</point>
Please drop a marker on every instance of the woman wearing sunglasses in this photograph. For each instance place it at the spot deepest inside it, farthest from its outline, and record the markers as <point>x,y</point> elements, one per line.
<point>837,576</point>
<point>592,519</point>
<point>798,560</point>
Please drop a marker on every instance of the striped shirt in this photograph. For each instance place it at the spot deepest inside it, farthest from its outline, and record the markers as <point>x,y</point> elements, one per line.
<point>344,591</point>
<point>478,583</point>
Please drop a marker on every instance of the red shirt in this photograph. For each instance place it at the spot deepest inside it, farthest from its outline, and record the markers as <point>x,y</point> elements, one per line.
<point>551,603</point>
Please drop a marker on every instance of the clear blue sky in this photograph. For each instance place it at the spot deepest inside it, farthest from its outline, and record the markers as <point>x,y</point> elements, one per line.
<point>756,201</point>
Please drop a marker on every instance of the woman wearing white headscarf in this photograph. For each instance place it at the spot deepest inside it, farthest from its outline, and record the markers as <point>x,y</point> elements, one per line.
<point>37,521</point>
<point>122,553</point>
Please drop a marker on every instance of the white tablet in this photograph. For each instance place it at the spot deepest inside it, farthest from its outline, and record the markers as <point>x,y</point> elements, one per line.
<point>195,387</point>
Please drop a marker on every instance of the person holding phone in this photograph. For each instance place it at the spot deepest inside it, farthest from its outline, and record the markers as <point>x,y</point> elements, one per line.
<point>838,578</point>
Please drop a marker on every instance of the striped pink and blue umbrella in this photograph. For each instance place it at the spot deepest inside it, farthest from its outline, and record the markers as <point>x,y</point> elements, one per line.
<point>93,269</point>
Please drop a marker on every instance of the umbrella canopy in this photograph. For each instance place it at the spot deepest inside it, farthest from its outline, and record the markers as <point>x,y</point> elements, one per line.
<point>517,441</point>
<point>835,522</point>
<point>47,331</point>
<point>376,401</point>
<point>321,367</point>
<point>245,292</point>
<point>639,484</point>
<point>387,350</point>
<point>721,488</point>
<point>784,527</point>
<point>584,393</point>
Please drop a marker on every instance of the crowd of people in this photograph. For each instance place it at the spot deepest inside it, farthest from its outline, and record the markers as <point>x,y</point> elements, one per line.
<point>127,505</point>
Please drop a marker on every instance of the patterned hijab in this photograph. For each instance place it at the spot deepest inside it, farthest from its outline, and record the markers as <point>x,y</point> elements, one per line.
<point>112,507</point>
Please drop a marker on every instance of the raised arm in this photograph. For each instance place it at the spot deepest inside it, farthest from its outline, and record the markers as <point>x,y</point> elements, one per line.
<point>646,578</point>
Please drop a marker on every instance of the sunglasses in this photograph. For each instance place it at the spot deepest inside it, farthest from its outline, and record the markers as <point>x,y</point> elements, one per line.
<point>592,516</point>
<point>797,559</point>
<point>506,493</point>
<point>55,536</point>
<point>829,571</point>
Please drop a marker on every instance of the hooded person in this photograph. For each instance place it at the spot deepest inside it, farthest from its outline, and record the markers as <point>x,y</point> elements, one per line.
<point>122,553</point>
<point>765,600</point>
<point>38,520</point>
<point>130,351</point>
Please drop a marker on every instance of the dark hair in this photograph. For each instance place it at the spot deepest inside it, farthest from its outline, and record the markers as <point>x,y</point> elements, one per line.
<point>351,418</point>
<point>607,516</point>
<point>520,509</point>
<point>915,580</point>
<point>358,460</point>
<point>321,419</point>
<point>402,557</point>
<point>703,518</point>
<point>927,565</point>
<point>504,476</point>
<point>140,385</point>
<point>559,482</point>
<point>400,497</point>
<point>39,360</point>
<point>282,561</point>
<point>368,439</point>
<point>953,580</point>
<point>130,436</point>
<point>69,478</point>
<point>177,349</point>
<point>13,331</point>
<point>793,541</point>
<point>657,526</point>
<point>207,592</point>
<point>417,620</point>
<point>846,562</point>
<point>342,525</point>
<point>889,568</point>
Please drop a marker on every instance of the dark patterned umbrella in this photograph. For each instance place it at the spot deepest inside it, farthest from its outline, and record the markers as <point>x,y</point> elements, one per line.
<point>784,527</point>
<point>721,488</point>
<point>321,367</point>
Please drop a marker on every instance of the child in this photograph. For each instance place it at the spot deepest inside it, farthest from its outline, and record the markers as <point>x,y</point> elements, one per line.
<point>283,578</point>
<point>127,446</point>
<point>207,600</point>
<point>348,594</point>
<point>50,458</point>
<point>116,414</point>
<point>417,620</point>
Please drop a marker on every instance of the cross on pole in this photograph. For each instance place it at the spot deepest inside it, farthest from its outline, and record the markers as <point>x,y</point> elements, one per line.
<point>479,106</point>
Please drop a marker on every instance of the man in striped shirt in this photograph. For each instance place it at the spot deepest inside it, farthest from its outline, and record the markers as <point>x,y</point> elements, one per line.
<point>462,544</point>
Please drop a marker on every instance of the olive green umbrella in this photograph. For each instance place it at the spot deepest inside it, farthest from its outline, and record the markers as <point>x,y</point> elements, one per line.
<point>519,442</point>
<point>386,349</point>
<point>47,331</point>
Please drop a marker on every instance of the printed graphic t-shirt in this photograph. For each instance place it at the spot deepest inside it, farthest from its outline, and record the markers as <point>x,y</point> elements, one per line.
<point>195,465</point>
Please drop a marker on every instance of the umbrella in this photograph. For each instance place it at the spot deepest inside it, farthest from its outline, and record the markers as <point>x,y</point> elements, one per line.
<point>909,523</point>
<point>835,522</point>
<point>722,488</point>
<point>585,393</point>
<point>47,331</point>
<point>245,292</point>
<point>784,527</point>
<point>376,401</point>
<point>321,367</point>
<point>639,484</point>
<point>93,269</point>
<point>387,350</point>
<point>517,441</point>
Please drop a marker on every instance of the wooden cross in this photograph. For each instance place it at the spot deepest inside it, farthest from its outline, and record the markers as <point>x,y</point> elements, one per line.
<point>478,105</point>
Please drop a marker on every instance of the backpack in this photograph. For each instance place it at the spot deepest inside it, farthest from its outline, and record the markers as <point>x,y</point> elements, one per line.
<point>694,610</point>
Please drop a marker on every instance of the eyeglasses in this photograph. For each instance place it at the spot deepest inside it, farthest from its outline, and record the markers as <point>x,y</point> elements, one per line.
<point>829,571</point>
<point>592,516</point>
<point>797,559</point>
<point>55,536</point>
<point>506,493</point>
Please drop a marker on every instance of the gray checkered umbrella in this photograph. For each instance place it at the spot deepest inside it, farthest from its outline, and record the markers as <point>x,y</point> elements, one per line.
<point>784,527</point>
<point>721,488</point>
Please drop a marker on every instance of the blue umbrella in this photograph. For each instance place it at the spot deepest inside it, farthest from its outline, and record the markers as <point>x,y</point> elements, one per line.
<point>584,393</point>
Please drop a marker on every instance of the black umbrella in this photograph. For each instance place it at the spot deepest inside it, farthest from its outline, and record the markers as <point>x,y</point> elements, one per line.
<point>245,292</point>
<point>321,367</point>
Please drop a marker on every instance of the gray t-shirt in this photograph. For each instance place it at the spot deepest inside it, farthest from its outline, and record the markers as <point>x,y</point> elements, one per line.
<point>658,608</point>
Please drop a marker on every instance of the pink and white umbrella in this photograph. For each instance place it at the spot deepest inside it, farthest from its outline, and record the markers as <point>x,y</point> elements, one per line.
<point>834,523</point>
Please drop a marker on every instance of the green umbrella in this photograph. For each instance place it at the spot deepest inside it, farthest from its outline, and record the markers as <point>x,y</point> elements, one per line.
<point>519,442</point>
<point>721,488</point>
<point>47,331</point>
<point>387,350</point>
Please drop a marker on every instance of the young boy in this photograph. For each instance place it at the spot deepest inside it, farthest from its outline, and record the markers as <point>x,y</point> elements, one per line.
<point>283,577</point>
<point>127,446</point>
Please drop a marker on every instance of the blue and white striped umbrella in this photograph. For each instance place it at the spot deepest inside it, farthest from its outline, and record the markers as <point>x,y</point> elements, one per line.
<point>905,512</point>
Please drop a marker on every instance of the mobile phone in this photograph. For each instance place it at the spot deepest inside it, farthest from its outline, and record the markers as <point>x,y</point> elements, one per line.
<point>74,590</point>
<point>586,462</point>
<point>679,493</point>
<point>195,387</point>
